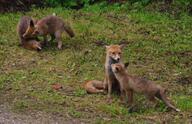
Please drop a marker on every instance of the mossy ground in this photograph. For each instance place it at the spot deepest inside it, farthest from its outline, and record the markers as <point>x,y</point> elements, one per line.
<point>160,49</point>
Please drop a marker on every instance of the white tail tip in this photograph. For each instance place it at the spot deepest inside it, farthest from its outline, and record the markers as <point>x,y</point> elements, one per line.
<point>54,14</point>
<point>177,110</point>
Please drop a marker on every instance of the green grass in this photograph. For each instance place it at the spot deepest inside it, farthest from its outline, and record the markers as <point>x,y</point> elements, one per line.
<point>160,50</point>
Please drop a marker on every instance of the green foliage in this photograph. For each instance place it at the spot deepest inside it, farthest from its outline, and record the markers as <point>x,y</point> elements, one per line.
<point>143,2</point>
<point>66,3</point>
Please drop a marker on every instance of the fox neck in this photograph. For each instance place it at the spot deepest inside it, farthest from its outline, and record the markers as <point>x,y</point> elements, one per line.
<point>121,77</point>
<point>110,61</point>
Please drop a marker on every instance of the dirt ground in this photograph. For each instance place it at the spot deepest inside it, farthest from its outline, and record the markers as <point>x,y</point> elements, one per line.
<point>9,117</point>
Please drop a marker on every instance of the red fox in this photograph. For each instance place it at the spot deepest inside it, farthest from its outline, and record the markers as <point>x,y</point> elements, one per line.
<point>130,84</point>
<point>25,29</point>
<point>53,26</point>
<point>94,86</point>
<point>113,55</point>
<point>32,45</point>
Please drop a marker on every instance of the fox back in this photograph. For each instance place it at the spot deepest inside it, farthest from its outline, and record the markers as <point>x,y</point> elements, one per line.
<point>25,28</point>
<point>137,84</point>
<point>50,25</point>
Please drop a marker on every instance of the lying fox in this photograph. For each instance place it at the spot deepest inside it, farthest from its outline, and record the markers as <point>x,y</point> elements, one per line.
<point>32,45</point>
<point>94,86</point>
<point>113,55</point>
<point>25,28</point>
<point>53,26</point>
<point>130,84</point>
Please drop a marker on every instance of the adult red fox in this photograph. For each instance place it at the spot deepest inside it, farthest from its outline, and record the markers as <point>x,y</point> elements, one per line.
<point>113,55</point>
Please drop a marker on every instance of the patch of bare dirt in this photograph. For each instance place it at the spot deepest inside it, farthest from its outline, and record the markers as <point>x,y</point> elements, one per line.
<point>9,117</point>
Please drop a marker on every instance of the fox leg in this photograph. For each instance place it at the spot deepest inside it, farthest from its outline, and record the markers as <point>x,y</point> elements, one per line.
<point>130,97</point>
<point>105,84</point>
<point>109,88</point>
<point>152,100</point>
<point>58,39</point>
<point>52,37</point>
<point>45,40</point>
<point>123,96</point>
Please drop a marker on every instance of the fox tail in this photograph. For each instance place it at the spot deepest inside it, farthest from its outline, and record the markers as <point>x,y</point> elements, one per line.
<point>69,30</point>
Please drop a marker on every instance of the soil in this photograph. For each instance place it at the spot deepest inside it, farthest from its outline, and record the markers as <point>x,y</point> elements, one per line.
<point>9,117</point>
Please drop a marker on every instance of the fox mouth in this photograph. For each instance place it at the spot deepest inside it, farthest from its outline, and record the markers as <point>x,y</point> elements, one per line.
<point>115,60</point>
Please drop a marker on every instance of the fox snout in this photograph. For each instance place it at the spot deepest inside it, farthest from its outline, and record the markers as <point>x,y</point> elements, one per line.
<point>114,68</point>
<point>38,48</point>
<point>25,35</point>
<point>116,58</point>
<point>35,32</point>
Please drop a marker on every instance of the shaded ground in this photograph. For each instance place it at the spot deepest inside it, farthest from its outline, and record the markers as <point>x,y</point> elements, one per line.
<point>159,49</point>
<point>9,117</point>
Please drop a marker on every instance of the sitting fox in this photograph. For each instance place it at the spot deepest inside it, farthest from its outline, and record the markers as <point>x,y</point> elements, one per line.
<point>130,84</point>
<point>53,26</point>
<point>113,55</point>
<point>25,28</point>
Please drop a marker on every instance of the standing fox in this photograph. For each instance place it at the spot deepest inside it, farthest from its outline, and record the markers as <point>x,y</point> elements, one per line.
<point>113,55</point>
<point>25,29</point>
<point>130,84</point>
<point>54,26</point>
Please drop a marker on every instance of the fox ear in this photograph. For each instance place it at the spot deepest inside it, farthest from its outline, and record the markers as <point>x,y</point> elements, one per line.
<point>123,45</point>
<point>126,64</point>
<point>100,43</point>
<point>106,46</point>
<point>31,23</point>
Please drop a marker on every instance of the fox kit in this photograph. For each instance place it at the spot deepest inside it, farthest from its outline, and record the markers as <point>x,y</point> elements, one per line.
<point>130,84</point>
<point>53,26</point>
<point>113,55</point>
<point>94,86</point>
<point>25,29</point>
<point>32,45</point>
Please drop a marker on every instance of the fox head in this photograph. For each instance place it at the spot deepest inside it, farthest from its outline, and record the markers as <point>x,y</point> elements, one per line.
<point>119,68</point>
<point>40,29</point>
<point>32,45</point>
<point>30,30</point>
<point>115,51</point>
<point>36,46</point>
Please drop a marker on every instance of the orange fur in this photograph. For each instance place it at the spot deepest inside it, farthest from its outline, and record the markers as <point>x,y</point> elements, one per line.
<point>94,86</point>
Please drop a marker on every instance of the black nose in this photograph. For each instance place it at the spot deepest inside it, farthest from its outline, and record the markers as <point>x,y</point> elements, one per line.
<point>118,59</point>
<point>36,33</point>
<point>38,49</point>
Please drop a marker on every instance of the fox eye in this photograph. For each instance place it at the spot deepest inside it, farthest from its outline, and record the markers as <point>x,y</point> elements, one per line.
<point>113,53</point>
<point>119,53</point>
